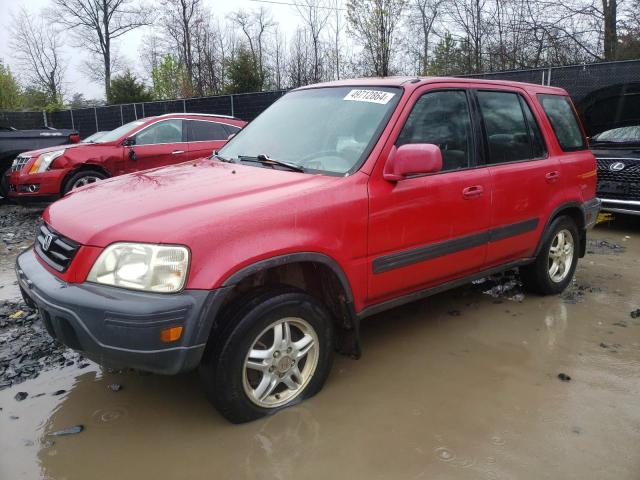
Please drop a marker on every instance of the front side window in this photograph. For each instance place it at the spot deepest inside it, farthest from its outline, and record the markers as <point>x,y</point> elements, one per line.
<point>201,131</point>
<point>167,131</point>
<point>327,130</point>
<point>564,121</point>
<point>509,135</point>
<point>442,118</point>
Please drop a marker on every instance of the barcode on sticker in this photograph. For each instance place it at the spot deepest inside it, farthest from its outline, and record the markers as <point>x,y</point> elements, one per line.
<point>373,96</point>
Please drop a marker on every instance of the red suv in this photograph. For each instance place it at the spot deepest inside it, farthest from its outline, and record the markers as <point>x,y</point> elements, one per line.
<point>47,174</point>
<point>341,200</point>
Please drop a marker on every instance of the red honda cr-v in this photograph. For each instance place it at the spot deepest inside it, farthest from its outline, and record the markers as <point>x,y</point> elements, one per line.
<point>339,201</point>
<point>47,174</point>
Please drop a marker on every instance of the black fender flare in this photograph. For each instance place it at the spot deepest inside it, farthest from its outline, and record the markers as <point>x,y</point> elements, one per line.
<point>350,336</point>
<point>581,228</point>
<point>310,257</point>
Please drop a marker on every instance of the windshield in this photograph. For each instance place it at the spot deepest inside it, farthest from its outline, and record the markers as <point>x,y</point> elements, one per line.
<point>622,135</point>
<point>119,132</point>
<point>329,130</point>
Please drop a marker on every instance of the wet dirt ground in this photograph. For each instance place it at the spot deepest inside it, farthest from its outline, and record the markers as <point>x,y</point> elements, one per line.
<point>463,385</point>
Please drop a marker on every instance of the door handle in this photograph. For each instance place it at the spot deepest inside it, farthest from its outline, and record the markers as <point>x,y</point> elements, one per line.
<point>473,191</point>
<point>177,152</point>
<point>552,176</point>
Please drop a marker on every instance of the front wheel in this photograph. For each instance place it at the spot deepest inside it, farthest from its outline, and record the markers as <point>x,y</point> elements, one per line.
<point>276,351</point>
<point>82,178</point>
<point>556,263</point>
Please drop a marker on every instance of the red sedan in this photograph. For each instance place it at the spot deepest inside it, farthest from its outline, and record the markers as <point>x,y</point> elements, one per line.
<point>47,174</point>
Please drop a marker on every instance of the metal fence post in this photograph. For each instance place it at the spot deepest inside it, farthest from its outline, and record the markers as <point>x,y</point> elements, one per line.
<point>44,117</point>
<point>184,105</point>
<point>233,113</point>
<point>121,117</point>
<point>143,110</point>
<point>135,110</point>
<point>549,77</point>
<point>95,114</point>
<point>73,125</point>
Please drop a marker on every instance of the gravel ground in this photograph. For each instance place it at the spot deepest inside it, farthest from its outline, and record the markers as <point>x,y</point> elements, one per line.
<point>26,348</point>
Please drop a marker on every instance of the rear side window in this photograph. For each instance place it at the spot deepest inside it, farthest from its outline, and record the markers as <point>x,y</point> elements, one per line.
<point>511,130</point>
<point>442,118</point>
<point>564,121</point>
<point>199,131</point>
<point>232,129</point>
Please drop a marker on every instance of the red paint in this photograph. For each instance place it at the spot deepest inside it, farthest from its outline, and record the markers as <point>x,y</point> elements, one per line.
<point>232,215</point>
<point>113,157</point>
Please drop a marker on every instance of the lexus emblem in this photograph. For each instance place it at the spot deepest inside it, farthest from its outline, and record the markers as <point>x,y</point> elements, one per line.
<point>616,166</point>
<point>46,243</point>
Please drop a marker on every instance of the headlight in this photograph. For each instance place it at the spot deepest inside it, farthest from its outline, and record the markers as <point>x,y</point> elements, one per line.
<point>142,266</point>
<point>44,161</point>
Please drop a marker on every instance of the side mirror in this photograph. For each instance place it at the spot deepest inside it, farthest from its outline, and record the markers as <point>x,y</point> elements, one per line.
<point>412,159</point>
<point>129,142</point>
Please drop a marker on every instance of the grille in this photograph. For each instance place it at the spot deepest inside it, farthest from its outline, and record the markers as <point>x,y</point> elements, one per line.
<point>19,162</point>
<point>56,250</point>
<point>626,180</point>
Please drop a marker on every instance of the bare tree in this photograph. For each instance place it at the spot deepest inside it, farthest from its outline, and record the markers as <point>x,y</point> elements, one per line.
<point>37,47</point>
<point>337,47</point>
<point>179,19</point>
<point>315,15</point>
<point>97,23</point>
<point>373,23</point>
<point>422,19</point>
<point>255,26</point>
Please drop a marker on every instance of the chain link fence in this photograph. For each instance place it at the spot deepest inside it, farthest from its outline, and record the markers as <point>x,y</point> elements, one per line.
<point>87,121</point>
<point>581,81</point>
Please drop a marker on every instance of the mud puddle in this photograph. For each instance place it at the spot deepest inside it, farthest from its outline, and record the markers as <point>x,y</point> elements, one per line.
<point>464,385</point>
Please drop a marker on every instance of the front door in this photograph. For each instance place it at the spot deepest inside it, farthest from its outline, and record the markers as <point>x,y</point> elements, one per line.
<point>161,143</point>
<point>432,228</point>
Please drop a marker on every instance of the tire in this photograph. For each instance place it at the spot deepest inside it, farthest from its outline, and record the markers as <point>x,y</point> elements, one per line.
<point>242,393</point>
<point>4,181</point>
<point>88,176</point>
<point>540,276</point>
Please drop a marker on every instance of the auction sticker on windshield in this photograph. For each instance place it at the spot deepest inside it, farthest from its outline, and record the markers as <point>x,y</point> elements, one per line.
<point>373,96</point>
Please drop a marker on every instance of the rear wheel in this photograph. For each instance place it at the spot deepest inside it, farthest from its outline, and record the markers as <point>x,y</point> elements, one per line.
<point>276,351</point>
<point>556,263</point>
<point>82,178</point>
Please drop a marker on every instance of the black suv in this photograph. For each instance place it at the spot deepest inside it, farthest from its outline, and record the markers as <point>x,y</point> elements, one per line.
<point>618,155</point>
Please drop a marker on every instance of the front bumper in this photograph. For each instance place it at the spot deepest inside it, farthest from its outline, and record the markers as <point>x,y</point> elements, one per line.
<point>37,187</point>
<point>630,207</point>
<point>118,327</point>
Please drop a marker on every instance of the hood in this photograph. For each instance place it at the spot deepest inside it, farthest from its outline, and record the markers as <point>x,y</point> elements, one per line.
<point>36,153</point>
<point>167,205</point>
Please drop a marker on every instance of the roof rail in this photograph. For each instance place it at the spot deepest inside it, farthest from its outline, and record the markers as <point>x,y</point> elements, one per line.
<point>199,114</point>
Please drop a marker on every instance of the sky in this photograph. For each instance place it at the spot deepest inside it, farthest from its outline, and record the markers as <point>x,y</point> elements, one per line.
<point>128,44</point>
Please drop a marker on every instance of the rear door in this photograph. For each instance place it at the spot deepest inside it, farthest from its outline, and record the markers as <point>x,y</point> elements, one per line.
<point>161,143</point>
<point>428,229</point>
<point>525,178</point>
<point>205,137</point>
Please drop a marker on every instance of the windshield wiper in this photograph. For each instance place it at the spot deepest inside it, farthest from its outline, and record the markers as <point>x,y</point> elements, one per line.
<point>265,160</point>
<point>221,158</point>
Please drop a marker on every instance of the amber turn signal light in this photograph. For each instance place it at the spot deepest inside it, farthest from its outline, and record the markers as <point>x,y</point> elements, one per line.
<point>170,334</point>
